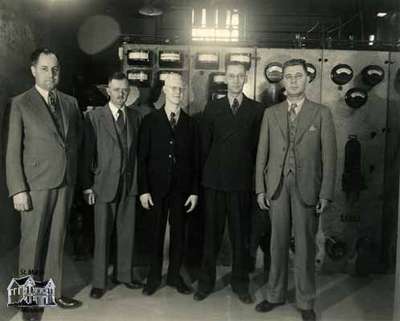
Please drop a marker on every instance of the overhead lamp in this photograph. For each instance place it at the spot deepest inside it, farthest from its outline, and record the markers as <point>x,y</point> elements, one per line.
<point>150,10</point>
<point>381,14</point>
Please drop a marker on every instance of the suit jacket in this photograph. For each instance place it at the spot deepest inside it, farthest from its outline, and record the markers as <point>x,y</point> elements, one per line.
<point>229,144</point>
<point>165,156</point>
<point>315,152</point>
<point>38,157</point>
<point>103,154</point>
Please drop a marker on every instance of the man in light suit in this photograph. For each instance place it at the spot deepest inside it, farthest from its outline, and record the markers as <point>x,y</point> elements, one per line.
<point>110,183</point>
<point>230,129</point>
<point>41,166</point>
<point>295,180</point>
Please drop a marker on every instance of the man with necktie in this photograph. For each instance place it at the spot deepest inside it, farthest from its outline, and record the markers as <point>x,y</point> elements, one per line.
<point>168,181</point>
<point>41,167</point>
<point>230,128</point>
<point>109,179</point>
<point>295,180</point>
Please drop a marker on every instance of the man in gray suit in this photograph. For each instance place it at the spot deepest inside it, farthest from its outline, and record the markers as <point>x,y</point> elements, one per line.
<point>110,183</point>
<point>295,180</point>
<point>41,165</point>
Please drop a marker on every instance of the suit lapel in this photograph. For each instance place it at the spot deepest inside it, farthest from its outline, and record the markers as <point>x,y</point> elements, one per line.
<point>40,109</point>
<point>230,118</point>
<point>181,121</point>
<point>281,117</point>
<point>65,112</point>
<point>305,118</point>
<point>164,118</point>
<point>108,122</point>
<point>130,127</point>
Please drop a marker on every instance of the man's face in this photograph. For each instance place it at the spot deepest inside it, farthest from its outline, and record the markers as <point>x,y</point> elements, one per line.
<point>295,80</point>
<point>174,89</point>
<point>236,77</point>
<point>46,72</point>
<point>118,90</point>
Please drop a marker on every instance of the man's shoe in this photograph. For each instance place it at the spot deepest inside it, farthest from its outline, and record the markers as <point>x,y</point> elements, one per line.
<point>200,296</point>
<point>68,303</point>
<point>308,315</point>
<point>32,314</point>
<point>245,298</point>
<point>266,306</point>
<point>182,288</point>
<point>134,285</point>
<point>96,293</point>
<point>150,289</point>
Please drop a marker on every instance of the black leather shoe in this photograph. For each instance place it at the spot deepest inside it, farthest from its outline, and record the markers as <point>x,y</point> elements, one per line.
<point>200,296</point>
<point>266,306</point>
<point>32,314</point>
<point>97,293</point>
<point>134,285</point>
<point>182,288</point>
<point>68,303</point>
<point>245,298</point>
<point>308,315</point>
<point>150,289</point>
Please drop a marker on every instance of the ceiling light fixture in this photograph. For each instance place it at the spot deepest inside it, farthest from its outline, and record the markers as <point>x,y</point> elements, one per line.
<point>150,10</point>
<point>381,14</point>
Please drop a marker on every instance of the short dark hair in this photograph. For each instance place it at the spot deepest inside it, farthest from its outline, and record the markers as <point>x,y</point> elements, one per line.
<point>118,75</point>
<point>295,62</point>
<point>36,54</point>
<point>235,63</point>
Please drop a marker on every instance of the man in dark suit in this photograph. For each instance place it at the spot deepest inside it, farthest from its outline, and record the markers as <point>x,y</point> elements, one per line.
<point>229,142</point>
<point>41,166</point>
<point>295,179</point>
<point>110,183</point>
<point>168,181</point>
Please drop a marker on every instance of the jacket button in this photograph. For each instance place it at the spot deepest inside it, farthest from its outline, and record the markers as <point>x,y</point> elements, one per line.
<point>171,142</point>
<point>169,156</point>
<point>284,148</point>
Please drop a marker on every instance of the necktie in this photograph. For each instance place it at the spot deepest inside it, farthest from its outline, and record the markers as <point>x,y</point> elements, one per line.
<point>172,120</point>
<point>120,121</point>
<point>292,112</point>
<point>56,112</point>
<point>235,106</point>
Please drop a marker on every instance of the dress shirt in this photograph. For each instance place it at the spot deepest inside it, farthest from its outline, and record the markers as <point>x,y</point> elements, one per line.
<point>298,103</point>
<point>169,111</point>
<point>114,110</point>
<point>239,98</point>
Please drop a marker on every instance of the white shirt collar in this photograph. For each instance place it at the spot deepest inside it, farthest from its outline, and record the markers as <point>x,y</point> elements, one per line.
<point>169,111</point>
<point>299,104</point>
<point>238,97</point>
<point>44,93</point>
<point>114,110</point>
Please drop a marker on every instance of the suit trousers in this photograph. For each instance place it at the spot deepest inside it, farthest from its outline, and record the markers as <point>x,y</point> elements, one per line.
<point>172,204</point>
<point>235,208</point>
<point>119,215</point>
<point>43,232</point>
<point>288,211</point>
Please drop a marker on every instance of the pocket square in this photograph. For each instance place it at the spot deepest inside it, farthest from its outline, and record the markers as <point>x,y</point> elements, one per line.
<point>312,128</point>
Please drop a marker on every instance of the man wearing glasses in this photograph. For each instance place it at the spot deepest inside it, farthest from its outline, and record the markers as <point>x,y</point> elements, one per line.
<point>230,128</point>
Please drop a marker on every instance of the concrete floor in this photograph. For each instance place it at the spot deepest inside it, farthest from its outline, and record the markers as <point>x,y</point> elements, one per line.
<point>340,298</point>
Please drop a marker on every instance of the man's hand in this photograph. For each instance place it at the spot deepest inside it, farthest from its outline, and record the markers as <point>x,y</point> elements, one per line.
<point>322,205</point>
<point>192,200</point>
<point>263,202</point>
<point>146,200</point>
<point>89,196</point>
<point>22,202</point>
